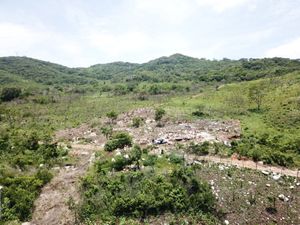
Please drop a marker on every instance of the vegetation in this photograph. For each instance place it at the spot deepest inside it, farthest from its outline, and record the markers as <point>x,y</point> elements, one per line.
<point>38,98</point>
<point>118,140</point>
<point>140,194</point>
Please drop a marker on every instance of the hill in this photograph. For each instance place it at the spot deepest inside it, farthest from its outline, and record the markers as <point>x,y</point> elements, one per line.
<point>174,68</point>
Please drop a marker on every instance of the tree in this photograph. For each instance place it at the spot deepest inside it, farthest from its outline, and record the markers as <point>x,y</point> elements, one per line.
<point>10,93</point>
<point>256,95</point>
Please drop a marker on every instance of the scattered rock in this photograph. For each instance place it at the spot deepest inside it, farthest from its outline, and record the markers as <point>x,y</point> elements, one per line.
<point>268,185</point>
<point>226,222</point>
<point>283,198</point>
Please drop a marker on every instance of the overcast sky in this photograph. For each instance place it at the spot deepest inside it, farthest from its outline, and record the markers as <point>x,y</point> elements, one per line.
<point>86,32</point>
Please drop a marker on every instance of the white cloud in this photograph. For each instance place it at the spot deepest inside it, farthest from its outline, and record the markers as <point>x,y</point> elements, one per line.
<point>15,38</point>
<point>221,5</point>
<point>289,50</point>
<point>172,11</point>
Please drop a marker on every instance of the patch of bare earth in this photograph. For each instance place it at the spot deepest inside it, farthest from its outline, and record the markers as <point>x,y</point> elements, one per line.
<point>52,205</point>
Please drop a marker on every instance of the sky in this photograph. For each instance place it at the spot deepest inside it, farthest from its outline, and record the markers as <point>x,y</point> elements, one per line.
<point>86,32</point>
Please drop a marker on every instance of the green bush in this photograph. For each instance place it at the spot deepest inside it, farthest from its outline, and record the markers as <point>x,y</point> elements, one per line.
<point>199,149</point>
<point>119,140</point>
<point>120,162</point>
<point>10,93</point>
<point>139,195</point>
<point>137,121</point>
<point>159,113</point>
<point>177,159</point>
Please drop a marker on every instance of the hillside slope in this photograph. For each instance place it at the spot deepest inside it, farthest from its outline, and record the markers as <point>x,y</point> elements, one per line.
<point>174,68</point>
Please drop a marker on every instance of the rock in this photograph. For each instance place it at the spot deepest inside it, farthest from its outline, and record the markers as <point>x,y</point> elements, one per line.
<point>283,198</point>
<point>298,184</point>
<point>83,153</point>
<point>265,172</point>
<point>292,187</point>
<point>221,167</point>
<point>226,222</point>
<point>268,185</point>
<point>41,165</point>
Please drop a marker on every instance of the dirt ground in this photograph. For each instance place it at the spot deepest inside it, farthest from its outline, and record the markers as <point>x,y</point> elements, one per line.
<point>51,207</point>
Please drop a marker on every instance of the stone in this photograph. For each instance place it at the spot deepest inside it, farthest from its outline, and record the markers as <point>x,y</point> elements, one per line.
<point>283,198</point>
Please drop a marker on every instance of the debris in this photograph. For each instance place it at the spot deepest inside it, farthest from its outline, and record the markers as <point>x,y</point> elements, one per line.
<point>283,198</point>
<point>160,141</point>
<point>226,222</point>
<point>265,172</point>
<point>276,176</point>
<point>268,185</point>
<point>292,187</point>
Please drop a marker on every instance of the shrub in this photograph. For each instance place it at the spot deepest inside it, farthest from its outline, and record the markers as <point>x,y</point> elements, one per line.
<point>159,113</point>
<point>112,115</point>
<point>10,93</point>
<point>119,140</point>
<point>137,121</point>
<point>177,159</point>
<point>199,149</point>
<point>120,162</point>
<point>150,160</point>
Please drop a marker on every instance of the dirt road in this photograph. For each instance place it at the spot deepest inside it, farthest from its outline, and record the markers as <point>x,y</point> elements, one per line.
<point>245,164</point>
<point>51,207</point>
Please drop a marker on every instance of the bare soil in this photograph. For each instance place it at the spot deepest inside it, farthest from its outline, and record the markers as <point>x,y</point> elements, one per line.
<point>52,205</point>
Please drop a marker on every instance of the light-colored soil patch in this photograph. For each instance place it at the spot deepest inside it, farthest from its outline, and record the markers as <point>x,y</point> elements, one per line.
<point>51,207</point>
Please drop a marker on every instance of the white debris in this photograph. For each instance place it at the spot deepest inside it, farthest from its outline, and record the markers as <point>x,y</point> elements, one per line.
<point>41,165</point>
<point>283,198</point>
<point>226,222</point>
<point>292,187</point>
<point>268,185</point>
<point>84,153</point>
<point>276,176</point>
<point>221,167</point>
<point>265,172</point>
<point>113,160</point>
<point>126,156</point>
<point>298,184</point>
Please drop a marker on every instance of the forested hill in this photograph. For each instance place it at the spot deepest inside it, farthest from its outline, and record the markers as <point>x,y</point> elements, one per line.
<point>174,68</point>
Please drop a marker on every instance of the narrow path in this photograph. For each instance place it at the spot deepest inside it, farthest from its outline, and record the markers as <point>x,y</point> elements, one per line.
<point>246,164</point>
<point>51,207</point>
